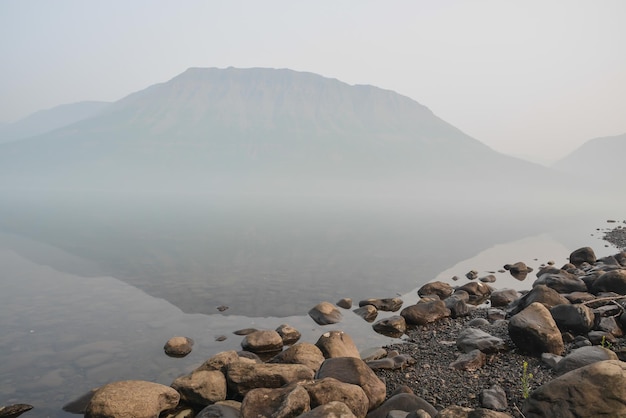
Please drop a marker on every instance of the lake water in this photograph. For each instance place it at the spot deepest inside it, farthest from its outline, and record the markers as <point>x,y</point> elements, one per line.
<point>93,287</point>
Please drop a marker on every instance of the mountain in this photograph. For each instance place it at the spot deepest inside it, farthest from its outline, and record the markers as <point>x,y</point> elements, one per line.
<point>256,129</point>
<point>50,119</point>
<point>599,159</point>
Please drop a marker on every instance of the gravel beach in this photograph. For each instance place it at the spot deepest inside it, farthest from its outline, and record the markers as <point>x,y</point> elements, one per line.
<point>433,347</point>
<point>617,236</point>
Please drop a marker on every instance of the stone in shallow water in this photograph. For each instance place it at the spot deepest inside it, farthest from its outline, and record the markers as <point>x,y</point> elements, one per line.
<point>289,334</point>
<point>325,313</point>
<point>582,255</point>
<point>178,346</point>
<point>264,341</point>
<point>14,411</point>
<point>387,304</point>
<point>345,303</point>
<point>441,289</point>
<point>367,312</point>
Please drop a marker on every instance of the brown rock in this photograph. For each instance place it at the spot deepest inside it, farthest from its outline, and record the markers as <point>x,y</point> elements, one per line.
<point>591,391</point>
<point>286,402</point>
<point>265,341</point>
<point>327,390</point>
<point>131,398</point>
<point>302,353</point>
<point>243,377</point>
<point>201,387</point>
<point>325,313</point>
<point>533,330</point>
<point>337,344</point>
<point>424,313</point>
<point>355,371</point>
<point>178,346</point>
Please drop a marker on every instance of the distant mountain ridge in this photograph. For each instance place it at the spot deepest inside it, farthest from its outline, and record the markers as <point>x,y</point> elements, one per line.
<point>223,128</point>
<point>600,159</point>
<point>50,119</point>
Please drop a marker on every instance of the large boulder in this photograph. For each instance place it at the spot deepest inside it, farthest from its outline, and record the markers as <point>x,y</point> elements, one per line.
<point>406,402</point>
<point>534,331</point>
<point>583,356</point>
<point>425,312</point>
<point>218,411</point>
<point>201,387</point>
<point>333,409</point>
<point>302,353</point>
<point>355,371</point>
<point>596,390</point>
<point>219,361</point>
<point>475,339</point>
<point>612,281</point>
<point>441,289</point>
<point>337,344</point>
<point>325,313</point>
<point>578,318</point>
<point>502,297</point>
<point>131,398</point>
<point>582,255</point>
<point>242,377</point>
<point>387,304</point>
<point>264,341</point>
<point>539,294</point>
<point>562,282</point>
<point>291,401</point>
<point>328,390</point>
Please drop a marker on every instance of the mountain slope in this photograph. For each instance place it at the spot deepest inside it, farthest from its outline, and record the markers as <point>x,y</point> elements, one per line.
<point>50,119</point>
<point>255,128</point>
<point>599,159</point>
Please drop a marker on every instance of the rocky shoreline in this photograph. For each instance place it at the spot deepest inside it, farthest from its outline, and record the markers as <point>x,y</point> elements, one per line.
<point>617,236</point>
<point>467,351</point>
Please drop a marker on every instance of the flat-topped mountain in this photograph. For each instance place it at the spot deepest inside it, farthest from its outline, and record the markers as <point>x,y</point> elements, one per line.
<point>50,119</point>
<point>254,128</point>
<point>599,159</point>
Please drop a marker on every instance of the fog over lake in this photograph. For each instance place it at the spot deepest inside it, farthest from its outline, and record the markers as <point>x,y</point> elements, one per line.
<point>94,285</point>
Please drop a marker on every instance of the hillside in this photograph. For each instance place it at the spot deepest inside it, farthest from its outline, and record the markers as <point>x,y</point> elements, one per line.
<point>250,129</point>
<point>50,119</point>
<point>599,160</point>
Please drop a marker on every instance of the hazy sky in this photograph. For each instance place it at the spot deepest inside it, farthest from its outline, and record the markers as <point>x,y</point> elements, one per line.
<point>532,77</point>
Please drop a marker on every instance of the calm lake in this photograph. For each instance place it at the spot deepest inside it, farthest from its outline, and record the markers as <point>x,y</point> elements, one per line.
<point>92,287</point>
